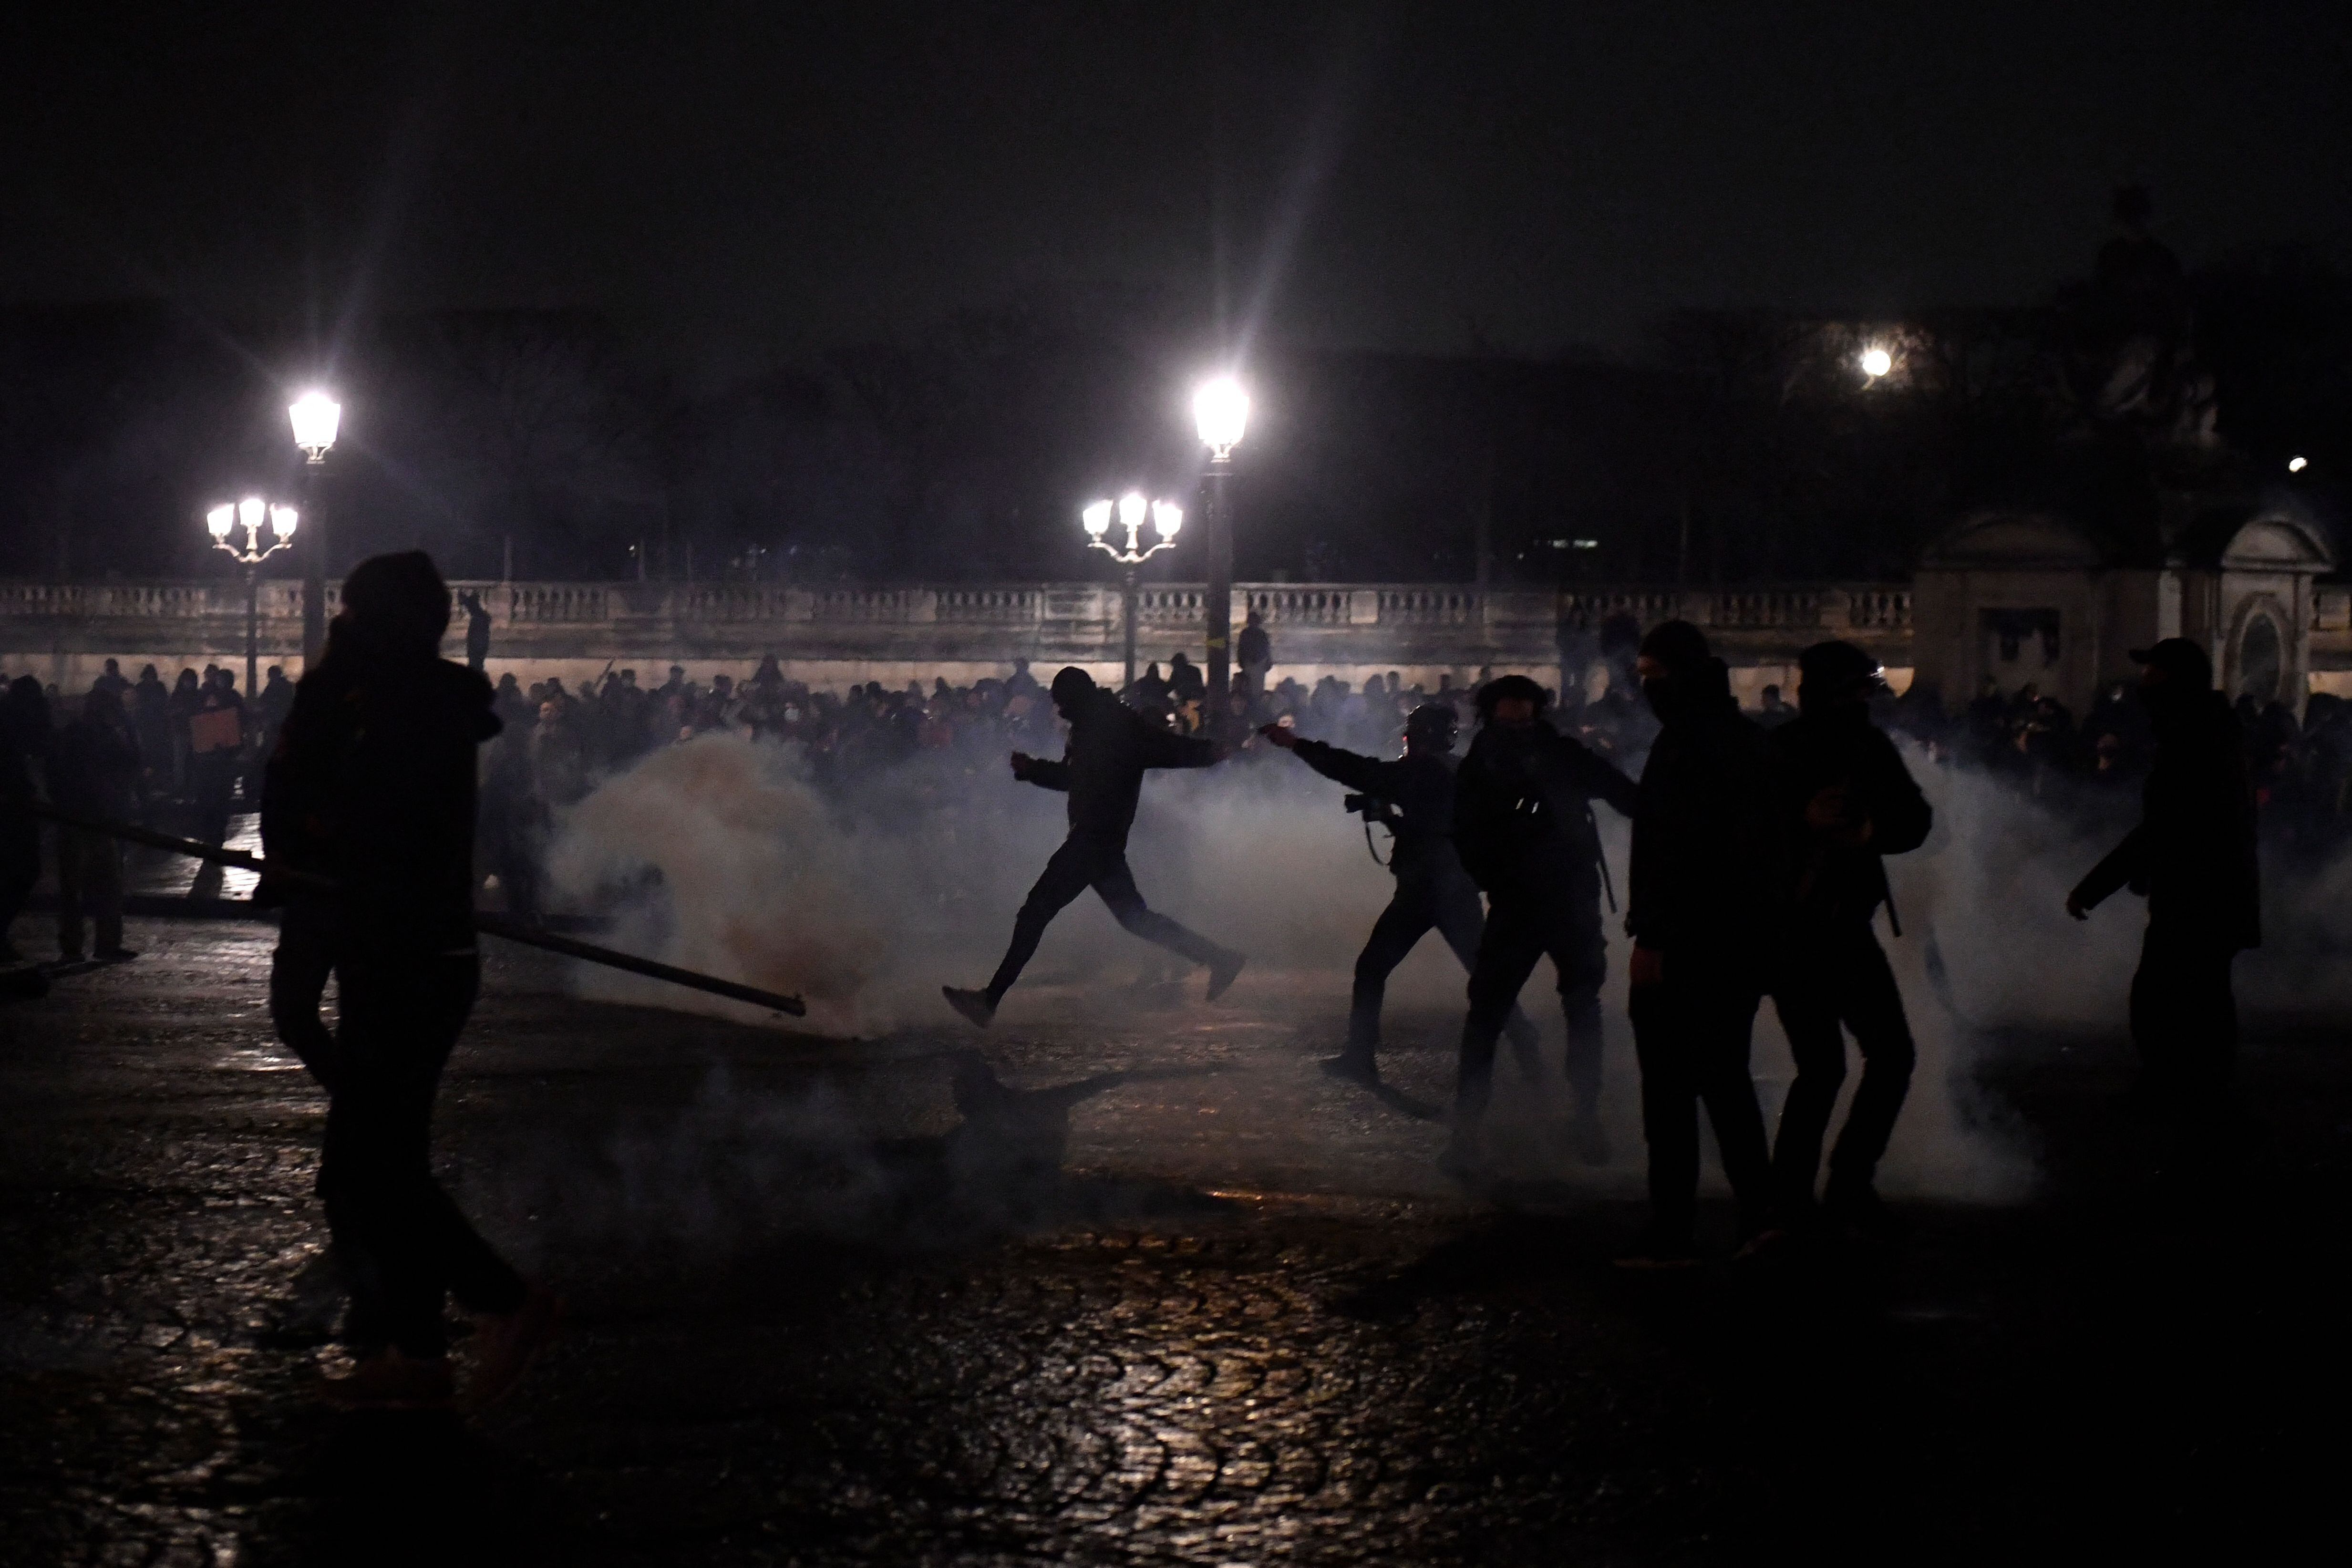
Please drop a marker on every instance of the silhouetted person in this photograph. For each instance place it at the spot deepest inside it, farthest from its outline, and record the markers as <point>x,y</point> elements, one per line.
<point>2192,856</point>
<point>1853,801</point>
<point>1774,713</point>
<point>372,788</point>
<point>1523,825</point>
<point>1254,652</point>
<point>1706,891</point>
<point>94,770</point>
<point>1433,890</point>
<point>1110,747</point>
<point>478,631</point>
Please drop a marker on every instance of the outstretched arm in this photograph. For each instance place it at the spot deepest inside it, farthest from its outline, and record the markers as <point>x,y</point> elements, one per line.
<point>2121,866</point>
<point>1596,775</point>
<point>1038,770</point>
<point>1351,768</point>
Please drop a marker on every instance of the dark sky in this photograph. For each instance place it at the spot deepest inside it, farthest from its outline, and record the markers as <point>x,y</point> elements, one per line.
<point>741,181</point>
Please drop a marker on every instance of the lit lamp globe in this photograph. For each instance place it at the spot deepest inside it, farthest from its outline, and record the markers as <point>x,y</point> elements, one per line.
<point>1167,517</point>
<point>249,513</point>
<point>1221,412</point>
<point>282,520</point>
<point>1096,517</point>
<point>315,417</point>
<point>219,521</point>
<point>1876,361</point>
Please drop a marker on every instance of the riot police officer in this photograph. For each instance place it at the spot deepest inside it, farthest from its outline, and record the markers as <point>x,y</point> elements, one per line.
<point>1523,825</point>
<point>1414,796</point>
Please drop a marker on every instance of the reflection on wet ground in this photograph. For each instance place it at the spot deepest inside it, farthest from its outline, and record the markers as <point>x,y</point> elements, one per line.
<point>1105,1287</point>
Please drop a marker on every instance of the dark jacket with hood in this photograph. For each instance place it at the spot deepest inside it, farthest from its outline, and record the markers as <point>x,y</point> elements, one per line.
<point>1710,831</point>
<point>2193,852</point>
<point>1102,766</point>
<point>1523,810</point>
<point>372,784</point>
<point>1837,883</point>
<point>1419,788</point>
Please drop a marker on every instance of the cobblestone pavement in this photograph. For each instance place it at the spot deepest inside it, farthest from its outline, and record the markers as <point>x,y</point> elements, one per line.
<point>1150,1289</point>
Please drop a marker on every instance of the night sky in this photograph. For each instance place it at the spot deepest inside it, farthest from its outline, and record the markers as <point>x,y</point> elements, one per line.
<point>742,182</point>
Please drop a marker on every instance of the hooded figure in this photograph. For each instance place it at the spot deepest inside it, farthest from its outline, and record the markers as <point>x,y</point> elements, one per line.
<point>1110,747</point>
<point>371,788</point>
<point>1853,801</point>
<point>1413,796</point>
<point>2193,857</point>
<point>1706,892</point>
<point>1523,824</point>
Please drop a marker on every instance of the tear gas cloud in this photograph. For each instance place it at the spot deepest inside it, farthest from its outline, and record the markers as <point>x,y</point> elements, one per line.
<point>868,906</point>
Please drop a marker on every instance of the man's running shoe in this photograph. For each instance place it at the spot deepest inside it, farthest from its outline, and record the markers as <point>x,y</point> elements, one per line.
<point>1225,972</point>
<point>974,1006</point>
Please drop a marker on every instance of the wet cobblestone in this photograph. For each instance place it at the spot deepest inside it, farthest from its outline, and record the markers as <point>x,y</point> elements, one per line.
<point>1155,1291</point>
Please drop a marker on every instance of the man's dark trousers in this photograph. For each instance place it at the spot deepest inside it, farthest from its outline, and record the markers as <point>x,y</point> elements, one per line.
<point>403,1241</point>
<point>1450,904</point>
<point>1830,978</point>
<point>2184,1020</point>
<point>1523,926</point>
<point>1100,864</point>
<point>1691,1032</point>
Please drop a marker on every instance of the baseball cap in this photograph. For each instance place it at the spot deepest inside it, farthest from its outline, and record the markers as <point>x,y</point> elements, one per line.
<point>2179,660</point>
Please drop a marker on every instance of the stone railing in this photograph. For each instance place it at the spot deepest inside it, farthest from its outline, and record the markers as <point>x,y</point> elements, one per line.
<point>848,631</point>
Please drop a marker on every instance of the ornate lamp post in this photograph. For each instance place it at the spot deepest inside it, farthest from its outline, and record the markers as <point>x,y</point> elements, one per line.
<point>1220,413</point>
<point>1167,517</point>
<point>249,514</point>
<point>315,417</point>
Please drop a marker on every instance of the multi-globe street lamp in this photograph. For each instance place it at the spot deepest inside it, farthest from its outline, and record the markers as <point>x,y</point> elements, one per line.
<point>1220,409</point>
<point>315,417</point>
<point>1130,509</point>
<point>249,514</point>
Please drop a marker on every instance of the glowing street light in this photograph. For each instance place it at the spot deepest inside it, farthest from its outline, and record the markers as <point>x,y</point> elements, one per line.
<point>1131,509</point>
<point>1876,361</point>
<point>251,514</point>
<point>1221,410</point>
<point>317,419</point>
<point>2296,465</point>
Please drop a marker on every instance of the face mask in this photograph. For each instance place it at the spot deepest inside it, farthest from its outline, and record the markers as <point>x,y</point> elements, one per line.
<point>1659,690</point>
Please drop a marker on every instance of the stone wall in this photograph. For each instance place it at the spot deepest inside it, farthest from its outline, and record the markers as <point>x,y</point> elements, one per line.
<point>831,637</point>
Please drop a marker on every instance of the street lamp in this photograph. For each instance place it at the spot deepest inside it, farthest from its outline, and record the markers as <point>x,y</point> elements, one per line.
<point>315,417</point>
<point>1166,516</point>
<point>1876,361</point>
<point>1221,410</point>
<point>249,514</point>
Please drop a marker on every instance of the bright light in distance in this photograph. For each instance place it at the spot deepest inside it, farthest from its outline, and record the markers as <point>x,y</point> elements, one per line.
<point>1096,517</point>
<point>282,520</point>
<point>220,519</point>
<point>316,418</point>
<point>1130,510</point>
<point>1167,517</point>
<point>1876,361</point>
<point>250,510</point>
<point>1221,412</point>
<point>2296,465</point>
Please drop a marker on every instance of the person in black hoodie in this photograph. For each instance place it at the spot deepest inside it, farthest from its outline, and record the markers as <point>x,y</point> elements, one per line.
<point>1433,890</point>
<point>1852,801</point>
<point>1523,824</point>
<point>2193,857</point>
<point>372,790</point>
<point>1707,894</point>
<point>94,769</point>
<point>1102,768</point>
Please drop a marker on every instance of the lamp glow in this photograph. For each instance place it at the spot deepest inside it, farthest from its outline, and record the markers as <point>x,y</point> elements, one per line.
<point>1130,510</point>
<point>1876,361</point>
<point>315,417</point>
<point>282,520</point>
<point>1096,517</point>
<point>1221,412</point>
<point>249,513</point>
<point>219,521</point>
<point>1167,517</point>
<point>2296,465</point>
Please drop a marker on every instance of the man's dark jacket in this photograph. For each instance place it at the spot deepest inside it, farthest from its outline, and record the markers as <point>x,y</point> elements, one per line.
<point>1523,811</point>
<point>1710,831</point>
<point>95,770</point>
<point>1419,789</point>
<point>372,784</point>
<point>2193,851</point>
<point>1102,767</point>
<point>1839,884</point>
